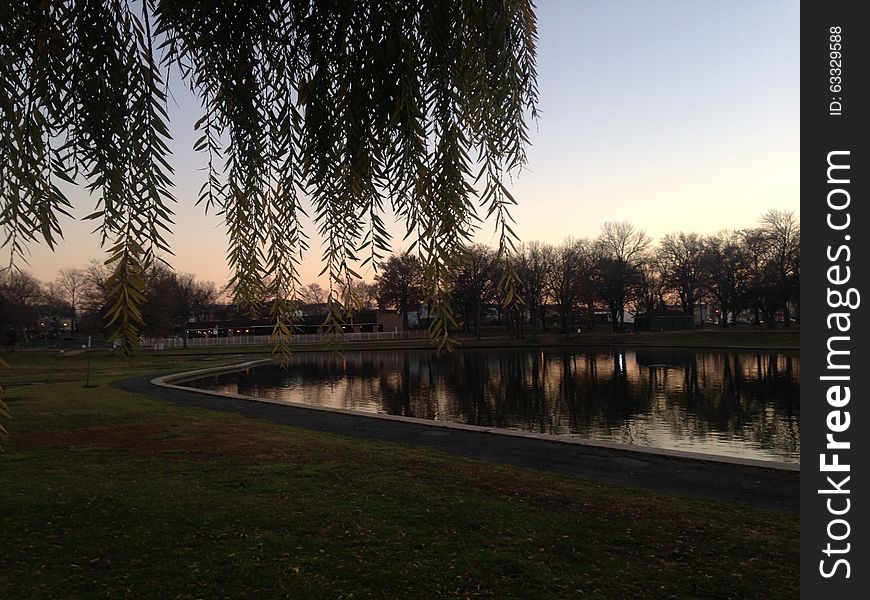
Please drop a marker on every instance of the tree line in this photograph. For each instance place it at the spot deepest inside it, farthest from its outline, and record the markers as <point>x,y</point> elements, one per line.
<point>556,287</point>
<point>754,270</point>
<point>77,301</point>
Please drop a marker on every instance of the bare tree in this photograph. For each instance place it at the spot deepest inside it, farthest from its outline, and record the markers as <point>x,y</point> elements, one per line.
<point>649,288</point>
<point>621,250</point>
<point>94,294</point>
<point>569,278</point>
<point>781,230</point>
<point>761,294</point>
<point>313,293</point>
<point>193,298</point>
<point>20,297</point>
<point>476,285</point>
<point>623,242</point>
<point>533,274</point>
<point>359,295</point>
<point>400,284</point>
<point>726,272</point>
<point>70,283</point>
<point>679,257</point>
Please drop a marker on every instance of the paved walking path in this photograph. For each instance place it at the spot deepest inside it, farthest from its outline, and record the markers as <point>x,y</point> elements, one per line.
<point>757,486</point>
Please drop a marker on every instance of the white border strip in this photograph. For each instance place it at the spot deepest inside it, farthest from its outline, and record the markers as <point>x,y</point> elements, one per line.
<point>167,381</point>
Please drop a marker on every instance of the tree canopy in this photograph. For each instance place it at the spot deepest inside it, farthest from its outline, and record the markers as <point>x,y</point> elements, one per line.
<point>400,284</point>
<point>360,106</point>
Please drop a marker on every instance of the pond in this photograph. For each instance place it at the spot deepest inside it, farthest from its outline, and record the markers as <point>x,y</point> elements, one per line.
<point>743,404</point>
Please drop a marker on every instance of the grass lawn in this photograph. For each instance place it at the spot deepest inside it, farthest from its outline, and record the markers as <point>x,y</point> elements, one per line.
<point>109,494</point>
<point>714,338</point>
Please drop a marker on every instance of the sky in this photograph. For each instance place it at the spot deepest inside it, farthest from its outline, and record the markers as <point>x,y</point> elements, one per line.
<point>673,115</point>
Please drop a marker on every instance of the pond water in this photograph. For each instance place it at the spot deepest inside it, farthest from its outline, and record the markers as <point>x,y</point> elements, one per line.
<point>744,404</point>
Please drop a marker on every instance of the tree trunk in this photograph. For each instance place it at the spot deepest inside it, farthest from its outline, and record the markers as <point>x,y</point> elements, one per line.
<point>477,320</point>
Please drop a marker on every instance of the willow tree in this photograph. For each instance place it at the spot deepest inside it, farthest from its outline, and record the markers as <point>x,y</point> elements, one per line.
<point>360,107</point>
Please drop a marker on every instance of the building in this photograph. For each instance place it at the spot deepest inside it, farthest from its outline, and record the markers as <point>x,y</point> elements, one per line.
<point>307,319</point>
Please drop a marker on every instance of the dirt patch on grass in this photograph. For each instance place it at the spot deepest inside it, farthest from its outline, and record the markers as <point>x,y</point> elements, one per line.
<point>173,441</point>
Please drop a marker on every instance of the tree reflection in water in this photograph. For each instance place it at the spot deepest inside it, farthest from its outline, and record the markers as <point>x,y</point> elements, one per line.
<point>730,403</point>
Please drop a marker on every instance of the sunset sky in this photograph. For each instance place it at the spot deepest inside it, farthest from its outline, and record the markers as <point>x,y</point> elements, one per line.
<point>673,115</point>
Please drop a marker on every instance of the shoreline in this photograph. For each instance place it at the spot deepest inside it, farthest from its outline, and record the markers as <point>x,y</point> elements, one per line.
<point>180,381</point>
<point>757,483</point>
<point>747,340</point>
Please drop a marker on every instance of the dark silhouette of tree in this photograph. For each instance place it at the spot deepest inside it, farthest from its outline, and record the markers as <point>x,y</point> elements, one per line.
<point>400,284</point>
<point>781,231</point>
<point>533,275</point>
<point>172,300</point>
<point>358,105</point>
<point>70,284</point>
<point>191,299</point>
<point>359,295</point>
<point>21,296</point>
<point>313,293</point>
<point>679,257</point>
<point>649,288</point>
<point>159,316</point>
<point>568,269</point>
<point>762,297</point>
<point>726,269</point>
<point>621,250</point>
<point>95,296</point>
<point>476,285</point>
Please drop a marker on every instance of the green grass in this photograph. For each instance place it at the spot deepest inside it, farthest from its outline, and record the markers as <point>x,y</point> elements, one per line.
<point>109,494</point>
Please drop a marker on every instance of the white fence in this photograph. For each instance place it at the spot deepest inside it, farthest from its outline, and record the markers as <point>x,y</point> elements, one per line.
<point>266,340</point>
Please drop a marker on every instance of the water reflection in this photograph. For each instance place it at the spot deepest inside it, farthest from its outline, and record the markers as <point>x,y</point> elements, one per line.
<point>728,403</point>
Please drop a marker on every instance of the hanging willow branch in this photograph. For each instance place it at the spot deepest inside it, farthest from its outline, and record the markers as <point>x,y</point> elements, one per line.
<point>358,106</point>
